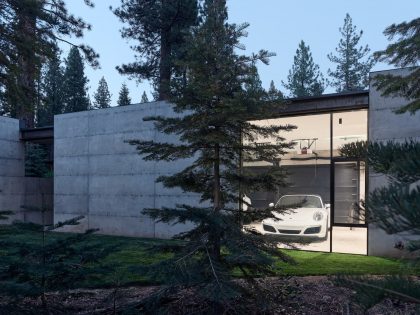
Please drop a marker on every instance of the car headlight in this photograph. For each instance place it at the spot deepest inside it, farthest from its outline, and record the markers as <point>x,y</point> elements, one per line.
<point>318,216</point>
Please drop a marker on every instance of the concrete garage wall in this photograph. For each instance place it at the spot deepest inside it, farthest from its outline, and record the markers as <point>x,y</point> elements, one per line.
<point>12,168</point>
<point>385,125</point>
<point>99,176</point>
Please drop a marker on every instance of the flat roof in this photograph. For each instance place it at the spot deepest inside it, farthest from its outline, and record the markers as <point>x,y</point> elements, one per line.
<point>290,107</point>
<point>324,103</point>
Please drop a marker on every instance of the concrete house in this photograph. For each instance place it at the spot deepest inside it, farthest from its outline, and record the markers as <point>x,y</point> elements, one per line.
<point>99,176</point>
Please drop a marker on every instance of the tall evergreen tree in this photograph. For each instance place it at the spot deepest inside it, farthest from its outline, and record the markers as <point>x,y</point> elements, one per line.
<point>215,110</point>
<point>29,31</point>
<point>405,52</point>
<point>52,89</point>
<point>75,83</point>
<point>273,94</point>
<point>102,97</point>
<point>124,96</point>
<point>304,78</point>
<point>353,62</point>
<point>144,98</point>
<point>253,84</point>
<point>159,27</point>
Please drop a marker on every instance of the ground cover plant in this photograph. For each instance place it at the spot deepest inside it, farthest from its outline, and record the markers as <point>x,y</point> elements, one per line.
<point>294,288</point>
<point>131,252</point>
<point>34,262</point>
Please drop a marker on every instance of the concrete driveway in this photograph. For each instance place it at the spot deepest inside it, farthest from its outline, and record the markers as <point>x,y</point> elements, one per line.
<point>345,240</point>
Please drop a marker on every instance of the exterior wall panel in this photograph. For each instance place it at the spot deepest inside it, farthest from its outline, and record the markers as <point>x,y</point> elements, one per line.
<point>385,125</point>
<point>100,176</point>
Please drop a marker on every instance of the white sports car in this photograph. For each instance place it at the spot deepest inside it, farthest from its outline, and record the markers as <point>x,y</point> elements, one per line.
<point>307,216</point>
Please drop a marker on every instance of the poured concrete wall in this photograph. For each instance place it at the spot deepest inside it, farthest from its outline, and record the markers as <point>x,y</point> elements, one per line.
<point>16,190</point>
<point>12,167</point>
<point>99,176</point>
<point>385,125</point>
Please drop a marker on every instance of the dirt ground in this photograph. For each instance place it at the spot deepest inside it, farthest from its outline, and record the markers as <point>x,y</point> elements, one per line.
<point>307,295</point>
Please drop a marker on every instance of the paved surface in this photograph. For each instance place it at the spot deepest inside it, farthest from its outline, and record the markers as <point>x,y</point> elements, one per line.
<point>345,240</point>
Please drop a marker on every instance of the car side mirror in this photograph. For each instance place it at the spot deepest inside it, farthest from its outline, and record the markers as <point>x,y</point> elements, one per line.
<point>271,205</point>
<point>328,206</point>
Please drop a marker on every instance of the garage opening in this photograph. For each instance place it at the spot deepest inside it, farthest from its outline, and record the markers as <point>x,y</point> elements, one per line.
<point>330,187</point>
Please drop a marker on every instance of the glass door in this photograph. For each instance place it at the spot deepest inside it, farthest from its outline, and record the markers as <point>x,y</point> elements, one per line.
<point>349,230</point>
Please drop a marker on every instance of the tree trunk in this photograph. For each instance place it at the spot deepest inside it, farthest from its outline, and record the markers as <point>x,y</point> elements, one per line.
<point>165,59</point>
<point>26,77</point>
<point>215,238</point>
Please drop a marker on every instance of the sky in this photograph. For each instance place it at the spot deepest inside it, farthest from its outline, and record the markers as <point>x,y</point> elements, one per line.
<point>275,25</point>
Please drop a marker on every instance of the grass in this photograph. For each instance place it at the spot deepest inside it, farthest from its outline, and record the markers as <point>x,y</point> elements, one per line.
<point>133,252</point>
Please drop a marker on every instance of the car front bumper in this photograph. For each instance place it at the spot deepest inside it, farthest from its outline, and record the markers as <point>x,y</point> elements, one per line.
<point>301,230</point>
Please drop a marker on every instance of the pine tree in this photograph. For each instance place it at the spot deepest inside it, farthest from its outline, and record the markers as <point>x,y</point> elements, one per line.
<point>253,84</point>
<point>214,112</point>
<point>395,208</point>
<point>102,97</point>
<point>273,94</point>
<point>144,98</point>
<point>124,97</point>
<point>36,160</point>
<point>304,78</point>
<point>353,62</point>
<point>75,81</point>
<point>405,52</point>
<point>47,262</point>
<point>159,27</point>
<point>29,31</point>
<point>52,89</point>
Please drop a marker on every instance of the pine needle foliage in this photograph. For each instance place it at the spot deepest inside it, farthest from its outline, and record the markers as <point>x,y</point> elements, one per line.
<point>213,125</point>
<point>158,29</point>
<point>395,208</point>
<point>102,97</point>
<point>404,52</point>
<point>36,158</point>
<point>75,83</point>
<point>52,100</point>
<point>44,264</point>
<point>273,94</point>
<point>144,98</point>
<point>304,78</point>
<point>356,150</point>
<point>124,96</point>
<point>353,61</point>
<point>30,30</point>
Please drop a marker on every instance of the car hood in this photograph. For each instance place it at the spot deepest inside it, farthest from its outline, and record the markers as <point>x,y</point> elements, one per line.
<point>299,214</point>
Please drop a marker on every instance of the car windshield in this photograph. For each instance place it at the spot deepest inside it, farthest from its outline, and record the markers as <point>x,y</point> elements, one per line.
<point>300,202</point>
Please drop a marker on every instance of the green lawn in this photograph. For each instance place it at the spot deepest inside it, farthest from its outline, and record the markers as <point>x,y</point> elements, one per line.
<point>132,252</point>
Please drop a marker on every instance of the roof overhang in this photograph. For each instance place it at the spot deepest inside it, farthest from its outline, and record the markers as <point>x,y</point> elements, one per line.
<point>42,135</point>
<point>323,104</point>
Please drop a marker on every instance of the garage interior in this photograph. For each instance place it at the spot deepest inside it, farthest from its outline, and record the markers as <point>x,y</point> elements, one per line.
<point>315,167</point>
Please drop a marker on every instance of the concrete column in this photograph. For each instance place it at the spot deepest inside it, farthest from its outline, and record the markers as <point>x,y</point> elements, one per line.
<point>12,168</point>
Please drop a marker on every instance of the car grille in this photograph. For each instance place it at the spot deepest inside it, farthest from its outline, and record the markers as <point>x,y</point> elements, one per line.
<point>313,230</point>
<point>289,231</point>
<point>269,228</point>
